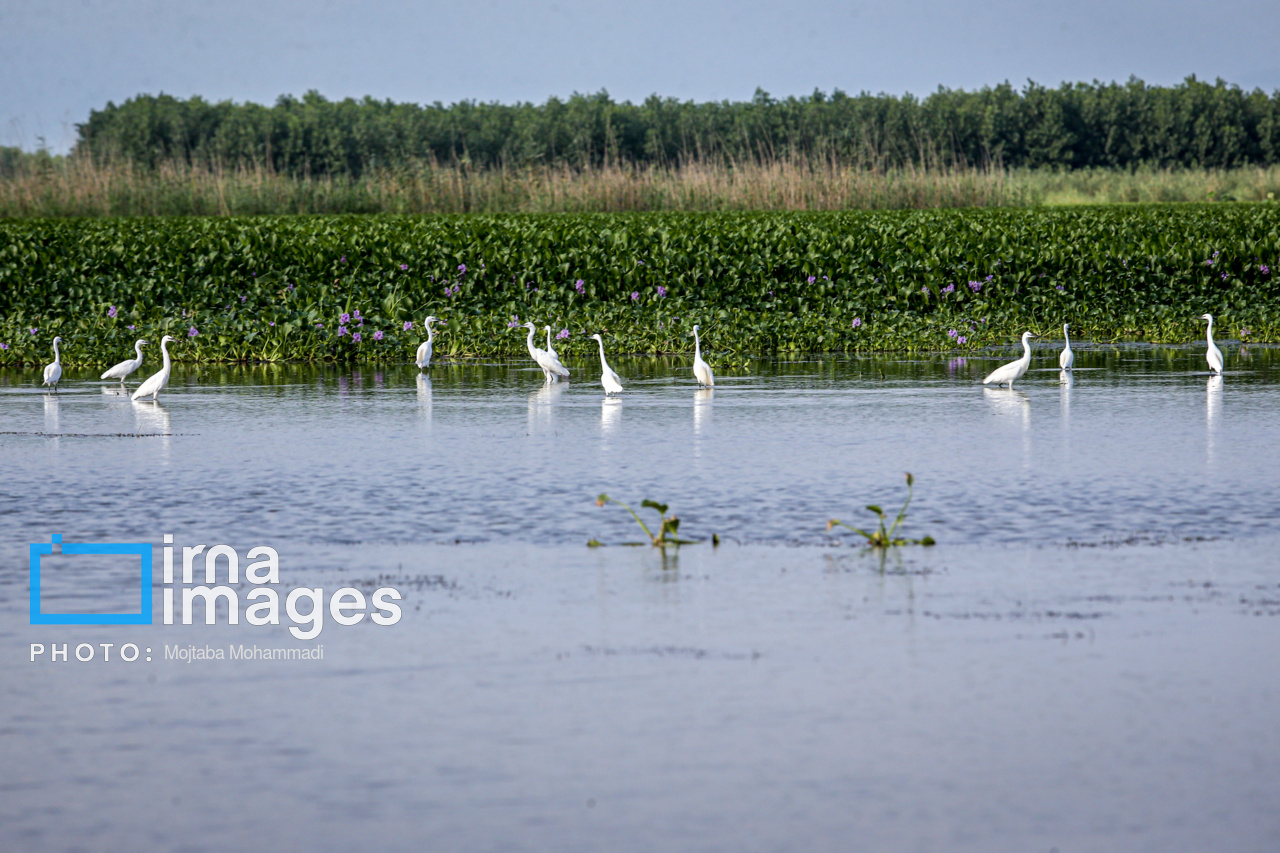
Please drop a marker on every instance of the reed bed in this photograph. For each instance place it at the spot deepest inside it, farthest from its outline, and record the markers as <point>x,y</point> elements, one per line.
<point>57,186</point>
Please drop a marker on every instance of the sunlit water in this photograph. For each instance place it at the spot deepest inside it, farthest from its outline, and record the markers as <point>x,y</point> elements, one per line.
<point>1084,662</point>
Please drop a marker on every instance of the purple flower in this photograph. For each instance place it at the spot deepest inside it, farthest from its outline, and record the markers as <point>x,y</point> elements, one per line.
<point>344,259</point>
<point>462,269</point>
<point>131,328</point>
<point>1265,270</point>
<point>562,334</point>
<point>342,330</point>
<point>408,324</point>
<point>952,333</point>
<point>291,287</point>
<point>1061,289</point>
<point>962,339</point>
<point>662,292</point>
<point>925,290</point>
<point>975,286</point>
<point>272,323</point>
<point>243,298</point>
<point>377,336</point>
<point>857,321</point>
<point>404,266</point>
<point>111,312</point>
<point>184,312</point>
<point>4,346</point>
<point>580,286</point>
<point>812,279</point>
<point>950,288</point>
<point>356,313</point>
<point>990,277</point>
<point>319,325</point>
<point>1244,333</point>
<point>356,337</point>
<point>1224,276</point>
<point>33,332</point>
<point>515,322</point>
<point>635,297</point>
<point>192,332</point>
<point>344,318</point>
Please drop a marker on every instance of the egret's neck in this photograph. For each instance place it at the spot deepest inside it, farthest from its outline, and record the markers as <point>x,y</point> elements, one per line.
<point>1026,348</point>
<point>1066,336</point>
<point>138,349</point>
<point>57,358</point>
<point>529,341</point>
<point>164,351</point>
<point>1209,333</point>
<point>697,344</point>
<point>603,363</point>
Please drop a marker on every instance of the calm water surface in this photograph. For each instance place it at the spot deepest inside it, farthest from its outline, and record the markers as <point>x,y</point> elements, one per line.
<point>1085,662</point>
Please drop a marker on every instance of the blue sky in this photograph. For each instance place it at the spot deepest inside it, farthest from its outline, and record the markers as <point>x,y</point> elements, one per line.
<point>61,58</point>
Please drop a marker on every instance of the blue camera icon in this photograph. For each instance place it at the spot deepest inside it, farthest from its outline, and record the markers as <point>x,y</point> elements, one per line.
<point>142,550</point>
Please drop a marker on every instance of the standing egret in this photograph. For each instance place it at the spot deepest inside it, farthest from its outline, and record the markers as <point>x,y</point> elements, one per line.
<point>552,369</point>
<point>701,370</point>
<point>1066,358</point>
<point>1213,355</point>
<point>129,365</point>
<point>53,372</point>
<point>608,378</point>
<point>156,382</point>
<point>423,359</point>
<point>551,351</point>
<point>1014,369</point>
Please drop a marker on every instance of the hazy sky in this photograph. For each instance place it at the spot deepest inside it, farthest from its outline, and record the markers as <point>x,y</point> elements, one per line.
<point>61,58</point>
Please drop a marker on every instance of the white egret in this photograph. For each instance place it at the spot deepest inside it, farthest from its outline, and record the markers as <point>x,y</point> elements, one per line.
<point>1015,369</point>
<point>701,370</point>
<point>608,378</point>
<point>156,382</point>
<point>1066,358</point>
<point>1213,355</point>
<point>552,369</point>
<point>53,372</point>
<point>129,365</point>
<point>551,351</point>
<point>423,359</point>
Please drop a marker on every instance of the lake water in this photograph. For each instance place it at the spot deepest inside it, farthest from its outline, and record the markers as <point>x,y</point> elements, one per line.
<point>1085,661</point>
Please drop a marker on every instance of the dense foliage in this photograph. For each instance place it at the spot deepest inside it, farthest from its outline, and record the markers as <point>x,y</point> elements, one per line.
<point>1193,124</point>
<point>303,287</point>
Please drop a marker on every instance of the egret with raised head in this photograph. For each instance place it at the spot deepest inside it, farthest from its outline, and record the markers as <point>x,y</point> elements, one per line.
<point>1213,355</point>
<point>53,372</point>
<point>157,381</point>
<point>129,365</point>
<point>1015,369</point>
<point>552,369</point>
<point>608,378</point>
<point>423,358</point>
<point>701,370</point>
<point>1066,358</point>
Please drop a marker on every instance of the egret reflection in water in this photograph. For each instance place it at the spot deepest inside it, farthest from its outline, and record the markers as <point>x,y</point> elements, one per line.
<point>52,413</point>
<point>424,395</point>
<point>1212,412</point>
<point>702,409</point>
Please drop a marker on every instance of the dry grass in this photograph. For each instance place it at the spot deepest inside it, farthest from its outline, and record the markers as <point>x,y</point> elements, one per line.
<point>79,187</point>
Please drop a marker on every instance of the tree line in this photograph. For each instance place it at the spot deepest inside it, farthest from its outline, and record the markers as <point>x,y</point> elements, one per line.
<point>1193,124</point>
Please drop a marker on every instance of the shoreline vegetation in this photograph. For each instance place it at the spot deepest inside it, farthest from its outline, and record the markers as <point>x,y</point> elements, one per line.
<point>40,185</point>
<point>356,288</point>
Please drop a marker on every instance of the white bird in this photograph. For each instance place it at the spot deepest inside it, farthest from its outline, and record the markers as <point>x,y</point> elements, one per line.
<point>53,372</point>
<point>701,370</point>
<point>552,369</point>
<point>1066,358</point>
<point>551,351</point>
<point>129,365</point>
<point>1014,370</point>
<point>1213,355</point>
<point>423,359</point>
<point>608,378</point>
<point>156,382</point>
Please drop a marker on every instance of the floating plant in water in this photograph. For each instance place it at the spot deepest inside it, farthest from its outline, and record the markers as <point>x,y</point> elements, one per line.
<point>667,529</point>
<point>882,537</point>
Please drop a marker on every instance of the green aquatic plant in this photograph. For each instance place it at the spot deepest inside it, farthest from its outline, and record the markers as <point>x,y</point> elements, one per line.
<point>668,527</point>
<point>884,537</point>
